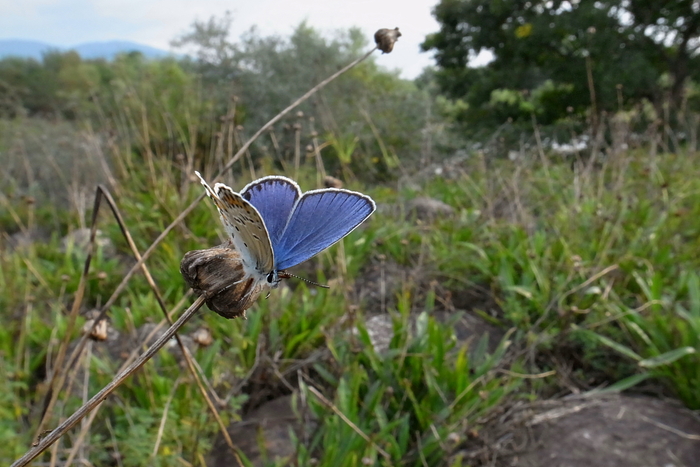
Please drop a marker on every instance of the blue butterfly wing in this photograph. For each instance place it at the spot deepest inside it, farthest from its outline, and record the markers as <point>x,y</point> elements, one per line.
<point>274,197</point>
<point>320,219</point>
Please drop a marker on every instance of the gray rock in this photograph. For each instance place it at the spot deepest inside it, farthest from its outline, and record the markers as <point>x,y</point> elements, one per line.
<point>24,239</point>
<point>80,238</point>
<point>427,209</point>
<point>264,435</point>
<point>602,431</point>
<point>381,330</point>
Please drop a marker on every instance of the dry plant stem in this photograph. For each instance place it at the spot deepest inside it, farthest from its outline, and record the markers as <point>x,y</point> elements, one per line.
<point>102,191</point>
<point>163,419</point>
<point>297,148</point>
<point>294,104</point>
<point>81,437</point>
<point>229,164</point>
<point>320,168</point>
<point>88,422</point>
<point>357,429</point>
<point>540,152</point>
<point>98,398</point>
<point>58,375</point>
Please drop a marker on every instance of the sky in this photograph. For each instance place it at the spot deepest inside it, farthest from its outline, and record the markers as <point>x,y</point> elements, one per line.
<point>156,22</point>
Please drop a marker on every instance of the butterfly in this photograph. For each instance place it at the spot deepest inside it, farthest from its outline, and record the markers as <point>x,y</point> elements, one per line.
<point>275,226</point>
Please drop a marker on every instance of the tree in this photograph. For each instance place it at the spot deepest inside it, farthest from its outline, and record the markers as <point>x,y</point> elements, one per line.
<point>266,73</point>
<point>209,40</point>
<point>572,54</point>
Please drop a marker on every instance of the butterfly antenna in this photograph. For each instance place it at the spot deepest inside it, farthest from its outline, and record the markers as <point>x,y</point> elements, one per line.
<point>286,275</point>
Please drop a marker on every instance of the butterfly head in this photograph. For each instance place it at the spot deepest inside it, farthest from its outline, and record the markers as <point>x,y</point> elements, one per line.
<point>273,278</point>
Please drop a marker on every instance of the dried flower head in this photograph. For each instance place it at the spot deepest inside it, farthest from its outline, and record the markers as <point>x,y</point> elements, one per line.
<point>203,337</point>
<point>97,331</point>
<point>217,274</point>
<point>332,182</point>
<point>386,38</point>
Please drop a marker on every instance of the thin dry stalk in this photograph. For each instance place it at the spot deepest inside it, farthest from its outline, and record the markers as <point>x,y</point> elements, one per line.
<point>229,133</point>
<point>15,217</point>
<point>237,131</point>
<point>102,191</point>
<point>161,428</point>
<point>58,375</point>
<point>297,145</point>
<point>388,159</point>
<point>591,91</point>
<point>115,446</point>
<point>91,418</point>
<point>320,168</point>
<point>276,144</point>
<point>101,396</point>
<point>81,438</point>
<point>540,151</point>
<point>146,254</point>
<point>349,422</point>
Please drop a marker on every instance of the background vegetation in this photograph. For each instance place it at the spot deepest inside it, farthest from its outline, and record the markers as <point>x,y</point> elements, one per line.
<point>584,258</point>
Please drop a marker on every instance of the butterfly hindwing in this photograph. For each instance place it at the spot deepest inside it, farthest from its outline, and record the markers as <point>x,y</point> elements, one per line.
<point>274,197</point>
<point>320,219</point>
<point>245,226</point>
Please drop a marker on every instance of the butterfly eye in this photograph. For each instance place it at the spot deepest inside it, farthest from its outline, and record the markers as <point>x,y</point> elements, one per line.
<point>271,277</point>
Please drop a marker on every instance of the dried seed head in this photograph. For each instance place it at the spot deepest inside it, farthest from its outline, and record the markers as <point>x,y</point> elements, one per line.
<point>332,182</point>
<point>385,39</point>
<point>217,274</point>
<point>99,331</point>
<point>203,337</point>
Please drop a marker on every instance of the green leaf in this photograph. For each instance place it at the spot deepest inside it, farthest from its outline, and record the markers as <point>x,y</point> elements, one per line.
<point>666,358</point>
<point>612,344</point>
<point>520,291</point>
<point>622,385</point>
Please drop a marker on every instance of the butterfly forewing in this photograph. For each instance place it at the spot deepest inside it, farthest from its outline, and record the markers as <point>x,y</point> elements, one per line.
<point>320,219</point>
<point>245,226</point>
<point>274,198</point>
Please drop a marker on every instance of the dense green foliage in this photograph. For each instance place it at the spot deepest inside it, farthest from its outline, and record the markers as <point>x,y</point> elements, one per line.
<point>597,267</point>
<point>249,83</point>
<point>558,58</point>
<point>590,275</point>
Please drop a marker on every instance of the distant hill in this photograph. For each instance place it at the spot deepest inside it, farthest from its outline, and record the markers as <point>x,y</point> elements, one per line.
<point>107,50</point>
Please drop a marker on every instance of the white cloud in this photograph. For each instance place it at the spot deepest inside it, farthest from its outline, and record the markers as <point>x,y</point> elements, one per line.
<point>156,22</point>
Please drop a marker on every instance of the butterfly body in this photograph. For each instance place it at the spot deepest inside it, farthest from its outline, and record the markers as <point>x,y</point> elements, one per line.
<point>274,226</point>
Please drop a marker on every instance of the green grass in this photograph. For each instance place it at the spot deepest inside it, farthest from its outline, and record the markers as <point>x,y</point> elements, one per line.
<point>600,268</point>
